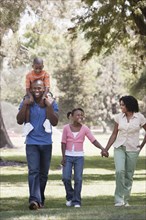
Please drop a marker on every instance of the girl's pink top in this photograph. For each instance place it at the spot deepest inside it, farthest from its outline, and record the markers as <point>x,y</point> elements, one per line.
<point>70,140</point>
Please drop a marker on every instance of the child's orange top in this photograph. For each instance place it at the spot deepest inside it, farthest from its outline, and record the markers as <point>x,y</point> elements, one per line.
<point>32,76</point>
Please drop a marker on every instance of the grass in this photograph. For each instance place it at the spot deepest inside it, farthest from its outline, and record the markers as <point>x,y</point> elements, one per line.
<point>97,202</point>
<point>90,162</point>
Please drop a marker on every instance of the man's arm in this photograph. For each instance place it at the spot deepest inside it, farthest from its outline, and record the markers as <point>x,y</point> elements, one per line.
<point>21,116</point>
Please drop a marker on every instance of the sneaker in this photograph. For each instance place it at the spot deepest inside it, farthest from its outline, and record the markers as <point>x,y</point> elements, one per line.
<point>27,129</point>
<point>68,203</point>
<point>47,126</point>
<point>33,205</point>
<point>77,206</point>
<point>126,204</point>
<point>119,204</point>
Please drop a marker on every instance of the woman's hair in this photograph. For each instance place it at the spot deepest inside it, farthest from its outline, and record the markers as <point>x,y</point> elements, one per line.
<point>73,111</point>
<point>130,102</point>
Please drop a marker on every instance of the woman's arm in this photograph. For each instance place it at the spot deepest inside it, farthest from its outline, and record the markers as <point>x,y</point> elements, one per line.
<point>144,140</point>
<point>112,137</point>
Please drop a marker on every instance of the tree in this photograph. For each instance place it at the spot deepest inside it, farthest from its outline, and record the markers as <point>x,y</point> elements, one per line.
<point>9,15</point>
<point>108,24</point>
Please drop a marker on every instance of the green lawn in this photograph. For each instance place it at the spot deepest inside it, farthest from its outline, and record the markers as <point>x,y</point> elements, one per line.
<point>97,193</point>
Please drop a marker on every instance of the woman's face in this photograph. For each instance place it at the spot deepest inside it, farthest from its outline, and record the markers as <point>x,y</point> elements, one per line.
<point>123,107</point>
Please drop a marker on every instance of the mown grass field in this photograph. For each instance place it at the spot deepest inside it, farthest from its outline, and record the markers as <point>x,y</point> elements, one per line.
<point>97,192</point>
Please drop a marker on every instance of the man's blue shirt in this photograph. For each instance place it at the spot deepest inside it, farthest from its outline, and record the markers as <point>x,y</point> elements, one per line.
<point>38,136</point>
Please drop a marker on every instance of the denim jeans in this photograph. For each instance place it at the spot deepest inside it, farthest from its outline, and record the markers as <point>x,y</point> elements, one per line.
<point>38,159</point>
<point>73,194</point>
<point>125,164</point>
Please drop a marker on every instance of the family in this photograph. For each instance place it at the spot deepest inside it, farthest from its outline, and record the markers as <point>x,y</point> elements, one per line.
<point>39,112</point>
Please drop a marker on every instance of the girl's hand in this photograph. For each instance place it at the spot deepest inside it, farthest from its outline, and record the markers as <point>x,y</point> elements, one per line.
<point>63,161</point>
<point>104,153</point>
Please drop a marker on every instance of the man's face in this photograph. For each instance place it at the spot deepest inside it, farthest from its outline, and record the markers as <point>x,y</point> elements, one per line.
<point>38,67</point>
<point>37,88</point>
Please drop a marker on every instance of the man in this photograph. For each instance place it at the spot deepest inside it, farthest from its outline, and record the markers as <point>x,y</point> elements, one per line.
<point>38,142</point>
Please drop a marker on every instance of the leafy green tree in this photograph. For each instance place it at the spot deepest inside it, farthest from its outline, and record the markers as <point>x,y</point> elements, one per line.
<point>108,24</point>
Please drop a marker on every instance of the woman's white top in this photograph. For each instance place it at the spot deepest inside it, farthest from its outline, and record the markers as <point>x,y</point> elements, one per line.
<point>128,132</point>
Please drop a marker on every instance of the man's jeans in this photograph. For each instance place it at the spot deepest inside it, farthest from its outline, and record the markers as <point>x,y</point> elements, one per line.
<point>125,164</point>
<point>73,194</point>
<point>38,159</point>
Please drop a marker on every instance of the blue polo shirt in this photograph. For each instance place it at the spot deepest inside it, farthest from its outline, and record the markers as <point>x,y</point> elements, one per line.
<point>38,136</point>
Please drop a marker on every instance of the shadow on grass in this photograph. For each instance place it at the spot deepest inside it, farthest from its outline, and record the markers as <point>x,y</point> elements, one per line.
<point>98,208</point>
<point>17,178</point>
<point>90,162</point>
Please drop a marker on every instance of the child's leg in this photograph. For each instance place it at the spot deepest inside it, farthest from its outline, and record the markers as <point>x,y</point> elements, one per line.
<point>27,114</point>
<point>66,178</point>
<point>78,172</point>
<point>47,124</point>
<point>27,126</point>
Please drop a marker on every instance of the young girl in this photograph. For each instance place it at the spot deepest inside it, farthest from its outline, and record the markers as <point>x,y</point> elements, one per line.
<point>73,156</point>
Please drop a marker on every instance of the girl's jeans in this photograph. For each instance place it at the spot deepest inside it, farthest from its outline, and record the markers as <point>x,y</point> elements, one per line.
<point>125,164</point>
<point>73,193</point>
<point>38,159</point>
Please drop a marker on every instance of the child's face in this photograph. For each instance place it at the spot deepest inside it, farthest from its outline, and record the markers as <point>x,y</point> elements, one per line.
<point>38,67</point>
<point>78,116</point>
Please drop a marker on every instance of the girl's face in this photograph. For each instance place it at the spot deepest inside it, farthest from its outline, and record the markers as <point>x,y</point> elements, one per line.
<point>123,107</point>
<point>78,116</point>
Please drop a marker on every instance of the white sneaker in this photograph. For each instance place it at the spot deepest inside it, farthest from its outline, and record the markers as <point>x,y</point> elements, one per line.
<point>126,204</point>
<point>47,126</point>
<point>68,203</point>
<point>27,129</point>
<point>119,204</point>
<point>77,206</point>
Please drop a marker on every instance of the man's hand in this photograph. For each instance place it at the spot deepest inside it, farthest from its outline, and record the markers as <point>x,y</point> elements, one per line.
<point>28,101</point>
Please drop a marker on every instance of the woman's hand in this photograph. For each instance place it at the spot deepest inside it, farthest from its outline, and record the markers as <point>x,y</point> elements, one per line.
<point>104,153</point>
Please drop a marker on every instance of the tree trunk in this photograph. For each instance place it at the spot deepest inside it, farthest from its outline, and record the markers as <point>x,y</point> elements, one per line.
<point>4,138</point>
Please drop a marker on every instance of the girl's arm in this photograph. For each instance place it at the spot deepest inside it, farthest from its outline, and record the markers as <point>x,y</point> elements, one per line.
<point>97,144</point>
<point>104,152</point>
<point>63,147</point>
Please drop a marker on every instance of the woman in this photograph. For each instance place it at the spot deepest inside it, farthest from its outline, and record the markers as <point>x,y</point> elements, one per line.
<point>125,139</point>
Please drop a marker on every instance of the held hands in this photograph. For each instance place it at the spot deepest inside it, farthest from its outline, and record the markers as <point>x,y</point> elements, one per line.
<point>104,153</point>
